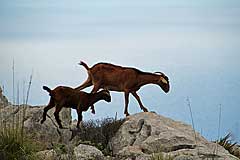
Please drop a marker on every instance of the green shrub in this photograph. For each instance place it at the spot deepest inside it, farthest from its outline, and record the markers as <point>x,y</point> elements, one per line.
<point>12,146</point>
<point>99,132</point>
<point>229,145</point>
<point>60,148</point>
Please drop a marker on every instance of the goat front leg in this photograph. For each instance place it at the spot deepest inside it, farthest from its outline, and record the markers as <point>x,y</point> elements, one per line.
<point>56,114</point>
<point>139,101</point>
<point>126,94</point>
<point>93,110</point>
<point>94,90</point>
<point>79,118</point>
<point>45,110</point>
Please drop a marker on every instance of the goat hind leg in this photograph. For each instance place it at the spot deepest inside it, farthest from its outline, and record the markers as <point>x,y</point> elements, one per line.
<point>56,114</point>
<point>139,101</point>
<point>86,84</point>
<point>79,118</point>
<point>45,110</point>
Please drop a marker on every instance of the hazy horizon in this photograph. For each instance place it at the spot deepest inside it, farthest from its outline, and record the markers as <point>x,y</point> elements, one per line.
<point>195,43</point>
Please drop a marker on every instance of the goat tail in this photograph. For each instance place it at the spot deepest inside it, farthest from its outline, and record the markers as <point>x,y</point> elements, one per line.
<point>47,89</point>
<point>84,65</point>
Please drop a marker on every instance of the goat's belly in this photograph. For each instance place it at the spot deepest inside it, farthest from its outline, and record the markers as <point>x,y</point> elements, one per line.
<point>113,88</point>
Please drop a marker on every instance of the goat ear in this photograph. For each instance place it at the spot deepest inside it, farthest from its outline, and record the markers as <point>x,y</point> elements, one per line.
<point>164,80</point>
<point>107,91</point>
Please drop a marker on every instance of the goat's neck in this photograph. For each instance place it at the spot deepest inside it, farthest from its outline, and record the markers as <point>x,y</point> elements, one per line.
<point>148,78</point>
<point>94,98</point>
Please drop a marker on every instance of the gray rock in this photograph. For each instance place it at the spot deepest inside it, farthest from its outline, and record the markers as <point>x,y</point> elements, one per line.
<point>48,132</point>
<point>86,152</point>
<point>132,152</point>
<point>3,99</point>
<point>184,157</point>
<point>46,155</point>
<point>152,133</point>
<point>65,157</point>
<point>236,151</point>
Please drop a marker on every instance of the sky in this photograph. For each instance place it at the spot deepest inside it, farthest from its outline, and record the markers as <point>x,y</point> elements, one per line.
<point>196,43</point>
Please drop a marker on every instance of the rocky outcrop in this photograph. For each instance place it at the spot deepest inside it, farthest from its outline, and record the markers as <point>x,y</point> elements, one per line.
<point>142,136</point>
<point>48,132</point>
<point>3,100</point>
<point>46,155</point>
<point>148,133</point>
<point>86,152</point>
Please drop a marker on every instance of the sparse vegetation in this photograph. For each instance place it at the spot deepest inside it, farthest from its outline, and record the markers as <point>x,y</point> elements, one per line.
<point>99,132</point>
<point>160,156</point>
<point>13,146</point>
<point>229,145</point>
<point>60,148</point>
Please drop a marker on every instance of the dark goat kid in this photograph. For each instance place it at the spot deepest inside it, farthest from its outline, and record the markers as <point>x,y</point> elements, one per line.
<point>67,97</point>
<point>122,79</point>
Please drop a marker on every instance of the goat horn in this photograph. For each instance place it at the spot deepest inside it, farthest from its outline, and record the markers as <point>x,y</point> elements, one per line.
<point>159,73</point>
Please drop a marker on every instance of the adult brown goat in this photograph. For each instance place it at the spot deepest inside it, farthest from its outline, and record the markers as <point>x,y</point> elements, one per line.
<point>63,96</point>
<point>122,79</point>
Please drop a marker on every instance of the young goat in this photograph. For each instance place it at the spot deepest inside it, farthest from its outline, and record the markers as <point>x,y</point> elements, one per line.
<point>122,79</point>
<point>67,97</point>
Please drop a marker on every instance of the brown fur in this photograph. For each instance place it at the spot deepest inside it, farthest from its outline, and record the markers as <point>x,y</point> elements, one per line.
<point>122,79</point>
<point>63,96</point>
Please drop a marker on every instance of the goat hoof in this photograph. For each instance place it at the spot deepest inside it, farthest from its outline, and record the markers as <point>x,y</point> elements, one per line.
<point>145,110</point>
<point>42,121</point>
<point>127,114</point>
<point>93,112</point>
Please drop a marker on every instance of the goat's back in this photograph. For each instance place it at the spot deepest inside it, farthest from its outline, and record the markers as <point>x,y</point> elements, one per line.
<point>114,77</point>
<point>67,94</point>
